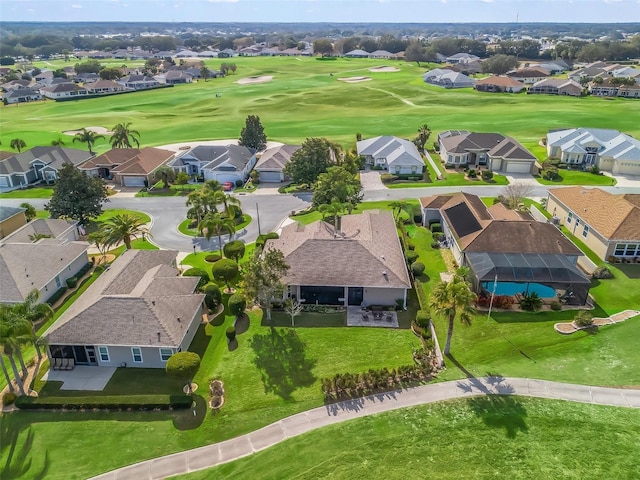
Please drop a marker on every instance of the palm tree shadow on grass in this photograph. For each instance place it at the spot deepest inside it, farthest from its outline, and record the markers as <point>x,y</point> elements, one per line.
<point>500,411</point>
<point>19,462</point>
<point>281,360</point>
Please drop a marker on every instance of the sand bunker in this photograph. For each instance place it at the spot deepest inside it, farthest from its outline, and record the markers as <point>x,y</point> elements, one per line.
<point>250,80</point>
<point>96,130</point>
<point>384,69</point>
<point>354,79</point>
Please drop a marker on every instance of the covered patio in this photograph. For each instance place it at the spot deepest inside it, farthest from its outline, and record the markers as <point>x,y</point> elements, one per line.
<point>81,378</point>
<point>551,276</point>
<point>358,317</point>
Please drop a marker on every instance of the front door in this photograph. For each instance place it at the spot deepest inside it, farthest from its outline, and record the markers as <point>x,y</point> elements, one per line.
<point>80,354</point>
<point>356,295</point>
<point>91,355</point>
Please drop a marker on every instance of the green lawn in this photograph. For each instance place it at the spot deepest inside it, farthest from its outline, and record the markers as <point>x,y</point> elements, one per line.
<point>172,191</point>
<point>313,215</point>
<point>451,180</point>
<point>576,177</point>
<point>35,192</point>
<point>304,100</point>
<point>500,437</point>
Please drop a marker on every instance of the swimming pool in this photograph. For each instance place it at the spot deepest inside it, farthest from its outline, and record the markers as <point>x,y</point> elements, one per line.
<point>511,288</point>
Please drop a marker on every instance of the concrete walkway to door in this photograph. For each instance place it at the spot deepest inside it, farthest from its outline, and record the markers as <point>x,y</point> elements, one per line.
<point>81,377</point>
<point>245,445</point>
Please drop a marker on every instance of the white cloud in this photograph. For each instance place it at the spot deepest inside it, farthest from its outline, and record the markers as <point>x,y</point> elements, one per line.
<point>487,1</point>
<point>76,5</point>
<point>223,1</point>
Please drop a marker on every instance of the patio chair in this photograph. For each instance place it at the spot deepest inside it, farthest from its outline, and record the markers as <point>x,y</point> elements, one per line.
<point>71,364</point>
<point>55,365</point>
<point>63,364</point>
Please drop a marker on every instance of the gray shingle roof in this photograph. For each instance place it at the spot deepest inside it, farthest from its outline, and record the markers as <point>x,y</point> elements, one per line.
<point>8,212</point>
<point>233,155</point>
<point>276,158</point>
<point>138,301</point>
<point>367,246</point>
<point>52,156</point>
<point>42,226</point>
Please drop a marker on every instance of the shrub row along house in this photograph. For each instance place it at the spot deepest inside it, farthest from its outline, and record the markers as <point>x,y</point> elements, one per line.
<point>509,248</point>
<point>138,313</point>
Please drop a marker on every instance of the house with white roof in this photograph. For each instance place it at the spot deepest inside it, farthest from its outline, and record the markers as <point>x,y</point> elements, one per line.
<point>443,77</point>
<point>462,58</point>
<point>609,150</point>
<point>397,155</point>
<point>223,163</point>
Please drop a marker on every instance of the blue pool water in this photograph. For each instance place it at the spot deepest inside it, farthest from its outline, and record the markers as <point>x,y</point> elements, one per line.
<point>511,288</point>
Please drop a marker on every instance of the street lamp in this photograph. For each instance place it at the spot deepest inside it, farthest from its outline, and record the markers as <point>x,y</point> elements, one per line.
<point>194,250</point>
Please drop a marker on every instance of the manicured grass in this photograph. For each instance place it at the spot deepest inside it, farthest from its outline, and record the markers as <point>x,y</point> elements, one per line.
<point>313,215</point>
<point>307,319</point>
<point>138,244</point>
<point>501,437</point>
<point>452,180</point>
<point>112,212</point>
<point>575,177</point>
<point>303,100</point>
<point>35,192</point>
<point>193,232</point>
<point>172,191</point>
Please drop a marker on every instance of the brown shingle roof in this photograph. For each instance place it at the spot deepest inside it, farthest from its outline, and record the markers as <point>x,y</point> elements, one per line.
<point>276,158</point>
<point>137,298</point>
<point>367,246</point>
<point>114,157</point>
<point>615,217</point>
<point>144,162</point>
<point>500,81</point>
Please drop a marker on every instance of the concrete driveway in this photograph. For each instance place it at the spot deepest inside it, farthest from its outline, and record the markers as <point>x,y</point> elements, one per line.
<point>370,180</point>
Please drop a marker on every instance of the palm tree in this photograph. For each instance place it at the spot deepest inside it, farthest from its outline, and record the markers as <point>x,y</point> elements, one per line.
<point>58,143</point>
<point>424,132</point>
<point>196,201</point>
<point>398,206</point>
<point>29,211</point>
<point>18,144</point>
<point>87,136</point>
<point>165,174</point>
<point>334,209</point>
<point>216,224</point>
<point>123,228</point>
<point>450,300</point>
<point>14,331</point>
<point>124,137</point>
<point>100,240</point>
<point>30,311</point>
<point>229,202</point>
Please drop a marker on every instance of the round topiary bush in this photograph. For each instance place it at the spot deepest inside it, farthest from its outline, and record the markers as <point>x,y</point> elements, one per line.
<point>183,366</point>
<point>234,250</point>
<point>198,272</point>
<point>417,268</point>
<point>231,333</point>
<point>226,271</point>
<point>602,273</point>
<point>9,398</point>
<point>411,245</point>
<point>411,257</point>
<point>237,304</point>
<point>213,258</point>
<point>583,319</point>
<point>435,244</point>
<point>212,296</point>
<point>72,282</point>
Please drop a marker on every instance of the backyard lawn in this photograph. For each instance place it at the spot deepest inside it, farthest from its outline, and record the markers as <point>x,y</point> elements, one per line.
<point>500,437</point>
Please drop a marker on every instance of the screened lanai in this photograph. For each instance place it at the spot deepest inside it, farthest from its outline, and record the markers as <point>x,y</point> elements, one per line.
<point>552,276</point>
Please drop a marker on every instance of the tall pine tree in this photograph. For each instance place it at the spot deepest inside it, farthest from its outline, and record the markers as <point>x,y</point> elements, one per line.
<point>76,195</point>
<point>252,135</point>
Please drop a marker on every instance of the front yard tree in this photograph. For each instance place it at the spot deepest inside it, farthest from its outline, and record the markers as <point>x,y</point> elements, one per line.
<point>263,278</point>
<point>165,175</point>
<point>424,132</point>
<point>450,300</point>
<point>252,135</point>
<point>76,195</point>
<point>499,64</point>
<point>183,366</point>
<point>18,144</point>
<point>234,250</point>
<point>314,157</point>
<point>215,224</point>
<point>515,192</point>
<point>293,308</point>
<point>416,52</point>
<point>337,183</point>
<point>29,211</point>
<point>123,228</point>
<point>226,271</point>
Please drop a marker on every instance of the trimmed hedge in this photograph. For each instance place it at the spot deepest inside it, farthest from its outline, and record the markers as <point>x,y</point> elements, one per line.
<point>435,227</point>
<point>262,239</point>
<point>56,296</point>
<point>237,304</point>
<point>72,282</point>
<point>198,272</point>
<point>213,258</point>
<point>84,269</point>
<point>212,296</point>
<point>417,268</point>
<point>119,402</point>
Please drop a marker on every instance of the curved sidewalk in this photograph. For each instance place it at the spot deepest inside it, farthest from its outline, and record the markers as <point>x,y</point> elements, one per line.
<point>244,445</point>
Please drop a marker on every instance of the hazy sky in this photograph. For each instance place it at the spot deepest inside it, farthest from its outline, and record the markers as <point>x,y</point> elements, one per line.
<point>419,11</point>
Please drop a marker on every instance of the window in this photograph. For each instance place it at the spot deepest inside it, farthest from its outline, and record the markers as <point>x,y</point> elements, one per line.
<point>58,282</point>
<point>104,354</point>
<point>569,217</point>
<point>414,169</point>
<point>165,353</point>
<point>585,230</point>
<point>136,353</point>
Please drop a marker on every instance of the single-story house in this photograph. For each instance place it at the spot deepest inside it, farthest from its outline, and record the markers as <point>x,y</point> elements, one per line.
<point>361,263</point>
<point>139,169</point>
<point>499,83</point>
<point>383,54</point>
<point>357,53</point>
<point>461,58</point>
<point>556,86</point>
<point>508,248</point>
<point>11,219</point>
<point>529,75</point>
<point>186,54</point>
<point>608,224</point>
<point>138,82</point>
<point>138,313</point>
<point>63,91</point>
<point>609,150</point>
<point>271,164</point>
<point>20,95</point>
<point>493,150</point>
<point>396,155</point>
<point>40,255</point>
<point>224,163</point>
<point>38,164</point>
<point>101,165</point>
<point>174,77</point>
<point>447,78</point>
<point>104,86</point>
<point>629,91</point>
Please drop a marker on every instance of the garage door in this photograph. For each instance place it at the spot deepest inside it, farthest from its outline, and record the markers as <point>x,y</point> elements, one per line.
<point>270,177</point>
<point>133,181</point>
<point>4,182</point>
<point>513,167</point>
<point>627,168</point>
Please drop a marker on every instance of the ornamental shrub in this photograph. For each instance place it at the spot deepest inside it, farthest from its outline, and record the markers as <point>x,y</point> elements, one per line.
<point>231,333</point>
<point>183,366</point>
<point>213,258</point>
<point>423,318</point>
<point>9,398</point>
<point>237,304</point>
<point>72,282</point>
<point>411,256</point>
<point>555,306</point>
<point>435,227</point>
<point>388,177</point>
<point>417,268</point>
<point>225,270</point>
<point>487,175</point>
<point>234,250</point>
<point>583,319</point>
<point>602,273</point>
<point>198,272</point>
<point>212,296</point>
